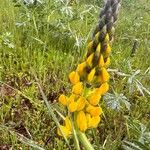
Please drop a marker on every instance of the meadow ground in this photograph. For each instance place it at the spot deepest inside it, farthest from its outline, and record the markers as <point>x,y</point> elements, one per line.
<point>47,41</point>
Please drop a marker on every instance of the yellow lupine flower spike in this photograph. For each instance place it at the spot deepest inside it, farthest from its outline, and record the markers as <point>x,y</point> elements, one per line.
<point>81,121</point>
<point>91,75</point>
<point>63,100</point>
<point>74,77</point>
<point>77,88</point>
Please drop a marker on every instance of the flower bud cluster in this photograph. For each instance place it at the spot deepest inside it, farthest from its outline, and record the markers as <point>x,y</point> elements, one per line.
<point>89,83</point>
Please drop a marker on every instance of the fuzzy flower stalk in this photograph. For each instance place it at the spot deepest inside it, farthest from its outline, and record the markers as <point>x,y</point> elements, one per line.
<point>90,79</point>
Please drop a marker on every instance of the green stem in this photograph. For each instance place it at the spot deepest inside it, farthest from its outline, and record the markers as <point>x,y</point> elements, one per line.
<point>83,139</point>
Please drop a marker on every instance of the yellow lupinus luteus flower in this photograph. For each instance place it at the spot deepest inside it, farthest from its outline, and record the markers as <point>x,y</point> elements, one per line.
<point>104,75</point>
<point>77,88</point>
<point>72,107</point>
<point>81,68</point>
<point>91,75</point>
<point>101,61</point>
<point>94,98</point>
<point>81,103</point>
<point>81,121</point>
<point>65,130</point>
<point>74,77</point>
<point>68,123</point>
<point>107,51</point>
<point>107,63</point>
<point>106,38</point>
<point>94,121</point>
<point>103,88</point>
<point>63,100</point>
<point>90,59</point>
<point>94,111</point>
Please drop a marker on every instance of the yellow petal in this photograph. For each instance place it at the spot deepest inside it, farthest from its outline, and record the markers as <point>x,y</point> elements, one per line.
<point>68,124</point>
<point>103,88</point>
<point>81,67</point>
<point>90,46</point>
<point>63,99</point>
<point>104,75</point>
<point>97,36</point>
<point>94,121</point>
<point>65,130</point>
<point>106,38</point>
<point>90,59</point>
<point>107,63</point>
<point>94,98</point>
<point>77,88</point>
<point>101,61</point>
<point>71,98</point>
<point>74,77</point>
<point>98,48</point>
<point>81,103</point>
<point>81,121</point>
<point>91,75</point>
<point>88,118</point>
<point>94,111</point>
<point>72,106</point>
<point>107,51</point>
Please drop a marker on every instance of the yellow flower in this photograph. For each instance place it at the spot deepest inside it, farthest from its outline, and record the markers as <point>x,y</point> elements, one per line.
<point>107,63</point>
<point>81,67</point>
<point>74,77</point>
<point>101,61</point>
<point>91,75</point>
<point>107,51</point>
<point>68,123</point>
<point>97,36</point>
<point>106,38</point>
<point>104,76</point>
<point>63,100</point>
<point>65,131</point>
<point>98,48</point>
<point>94,98</point>
<point>81,121</point>
<point>71,98</point>
<point>103,88</point>
<point>94,111</point>
<point>94,121</point>
<point>72,107</point>
<point>81,103</point>
<point>77,88</point>
<point>88,119</point>
<point>90,59</point>
<point>90,46</point>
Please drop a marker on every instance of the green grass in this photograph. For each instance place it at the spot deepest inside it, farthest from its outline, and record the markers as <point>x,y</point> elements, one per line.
<point>45,41</point>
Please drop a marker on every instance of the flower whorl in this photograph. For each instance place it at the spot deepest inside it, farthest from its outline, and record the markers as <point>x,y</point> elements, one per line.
<point>90,79</point>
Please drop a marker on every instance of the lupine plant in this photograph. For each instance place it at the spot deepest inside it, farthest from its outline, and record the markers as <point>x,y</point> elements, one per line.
<point>90,79</point>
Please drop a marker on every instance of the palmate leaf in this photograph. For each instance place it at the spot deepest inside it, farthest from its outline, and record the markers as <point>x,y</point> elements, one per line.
<point>117,101</point>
